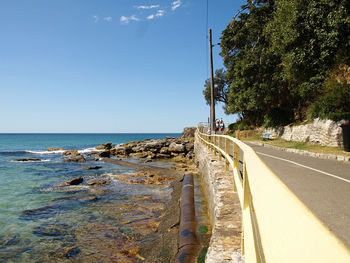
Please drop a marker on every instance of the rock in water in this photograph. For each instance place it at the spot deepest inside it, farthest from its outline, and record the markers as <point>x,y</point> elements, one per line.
<point>28,160</point>
<point>107,145</point>
<point>74,181</point>
<point>98,182</point>
<point>51,149</point>
<point>77,158</point>
<point>92,167</point>
<point>70,153</point>
<point>104,146</point>
<point>105,154</point>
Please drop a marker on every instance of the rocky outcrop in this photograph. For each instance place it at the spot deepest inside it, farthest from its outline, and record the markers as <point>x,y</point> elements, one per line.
<point>324,132</point>
<point>189,132</point>
<point>104,146</point>
<point>156,149</point>
<point>176,147</point>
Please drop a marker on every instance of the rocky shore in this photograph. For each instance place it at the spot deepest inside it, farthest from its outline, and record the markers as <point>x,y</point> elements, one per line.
<point>146,150</point>
<point>163,229</point>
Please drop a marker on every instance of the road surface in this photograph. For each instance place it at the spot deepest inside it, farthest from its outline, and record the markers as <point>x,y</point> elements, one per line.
<point>322,185</point>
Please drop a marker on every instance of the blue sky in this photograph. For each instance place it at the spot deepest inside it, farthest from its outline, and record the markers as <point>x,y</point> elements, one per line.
<point>107,65</point>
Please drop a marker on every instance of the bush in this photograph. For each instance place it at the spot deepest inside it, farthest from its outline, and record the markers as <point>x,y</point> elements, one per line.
<point>334,104</point>
<point>240,124</point>
<point>278,117</point>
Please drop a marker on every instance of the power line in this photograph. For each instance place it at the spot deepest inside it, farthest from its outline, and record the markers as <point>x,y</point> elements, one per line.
<point>206,39</point>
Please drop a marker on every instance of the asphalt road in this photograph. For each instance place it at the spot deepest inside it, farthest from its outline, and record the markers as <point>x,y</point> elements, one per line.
<point>322,185</point>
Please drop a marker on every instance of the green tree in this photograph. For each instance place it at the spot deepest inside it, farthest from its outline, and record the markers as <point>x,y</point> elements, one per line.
<point>221,87</point>
<point>252,69</point>
<point>279,55</point>
<point>309,37</point>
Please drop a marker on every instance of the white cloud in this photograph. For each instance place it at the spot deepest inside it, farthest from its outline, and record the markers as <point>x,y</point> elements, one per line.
<point>95,18</point>
<point>160,13</point>
<point>108,18</point>
<point>175,4</point>
<point>127,19</point>
<point>146,6</point>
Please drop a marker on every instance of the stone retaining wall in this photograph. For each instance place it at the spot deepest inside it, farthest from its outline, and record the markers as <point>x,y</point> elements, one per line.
<point>224,208</point>
<point>324,132</point>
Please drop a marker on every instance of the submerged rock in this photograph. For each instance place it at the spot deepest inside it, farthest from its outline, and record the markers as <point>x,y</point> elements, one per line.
<point>10,240</point>
<point>98,182</point>
<point>50,230</point>
<point>72,252</point>
<point>88,199</point>
<point>40,213</point>
<point>146,178</point>
<point>112,244</point>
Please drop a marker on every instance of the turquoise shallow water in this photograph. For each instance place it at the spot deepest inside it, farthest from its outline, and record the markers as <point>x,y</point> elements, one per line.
<point>42,223</point>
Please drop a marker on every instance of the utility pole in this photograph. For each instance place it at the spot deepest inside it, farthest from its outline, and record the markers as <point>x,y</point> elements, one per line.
<point>212,101</point>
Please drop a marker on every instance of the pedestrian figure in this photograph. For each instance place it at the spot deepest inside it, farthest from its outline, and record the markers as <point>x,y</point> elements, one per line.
<point>209,131</point>
<point>217,126</point>
<point>222,126</point>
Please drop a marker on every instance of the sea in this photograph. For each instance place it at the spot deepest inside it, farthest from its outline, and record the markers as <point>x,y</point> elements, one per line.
<point>40,222</point>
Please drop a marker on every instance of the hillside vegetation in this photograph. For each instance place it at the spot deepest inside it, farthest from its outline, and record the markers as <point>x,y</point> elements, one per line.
<point>286,61</point>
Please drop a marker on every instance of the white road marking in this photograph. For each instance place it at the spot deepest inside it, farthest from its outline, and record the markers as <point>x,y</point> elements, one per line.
<point>307,167</point>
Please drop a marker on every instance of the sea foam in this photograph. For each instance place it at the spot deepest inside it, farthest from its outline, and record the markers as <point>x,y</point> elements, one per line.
<point>39,161</point>
<point>45,152</point>
<point>86,150</point>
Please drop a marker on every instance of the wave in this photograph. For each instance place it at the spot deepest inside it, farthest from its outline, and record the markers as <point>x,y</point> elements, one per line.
<point>38,161</point>
<point>89,150</point>
<point>85,150</point>
<point>45,152</point>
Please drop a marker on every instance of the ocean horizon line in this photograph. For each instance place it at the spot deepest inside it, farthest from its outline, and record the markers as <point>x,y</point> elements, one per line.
<point>9,133</point>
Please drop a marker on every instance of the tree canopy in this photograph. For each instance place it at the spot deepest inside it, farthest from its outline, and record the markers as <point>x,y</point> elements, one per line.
<point>286,60</point>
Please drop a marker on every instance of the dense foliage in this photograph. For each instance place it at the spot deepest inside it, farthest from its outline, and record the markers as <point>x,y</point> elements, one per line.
<point>285,61</point>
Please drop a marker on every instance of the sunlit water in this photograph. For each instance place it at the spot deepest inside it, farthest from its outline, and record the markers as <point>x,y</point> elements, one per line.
<point>40,222</point>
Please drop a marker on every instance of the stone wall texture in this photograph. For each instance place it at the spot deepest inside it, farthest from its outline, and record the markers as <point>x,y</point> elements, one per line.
<point>324,132</point>
<point>224,208</point>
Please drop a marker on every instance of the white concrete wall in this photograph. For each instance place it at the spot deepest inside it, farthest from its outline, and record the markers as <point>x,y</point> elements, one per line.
<point>324,132</point>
